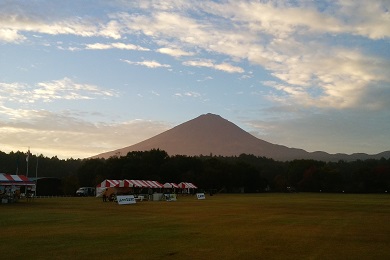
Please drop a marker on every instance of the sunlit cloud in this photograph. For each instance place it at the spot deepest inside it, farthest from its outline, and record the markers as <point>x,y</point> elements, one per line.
<point>175,52</point>
<point>273,40</point>
<point>66,136</point>
<point>49,91</point>
<point>293,55</point>
<point>226,67</point>
<point>10,35</point>
<point>147,63</point>
<point>116,45</point>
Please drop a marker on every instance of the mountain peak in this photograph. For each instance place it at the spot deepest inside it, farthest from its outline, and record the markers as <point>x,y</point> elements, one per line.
<point>211,134</point>
<point>210,115</point>
<point>207,134</point>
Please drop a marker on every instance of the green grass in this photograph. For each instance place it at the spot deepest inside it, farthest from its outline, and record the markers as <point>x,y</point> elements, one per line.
<point>247,226</point>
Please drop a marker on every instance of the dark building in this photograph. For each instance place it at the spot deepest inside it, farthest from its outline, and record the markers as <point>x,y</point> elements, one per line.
<point>48,186</point>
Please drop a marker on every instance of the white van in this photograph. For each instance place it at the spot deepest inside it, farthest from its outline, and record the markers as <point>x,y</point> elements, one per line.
<point>85,192</point>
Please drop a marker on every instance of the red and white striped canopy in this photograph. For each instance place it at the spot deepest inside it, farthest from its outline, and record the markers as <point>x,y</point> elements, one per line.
<point>171,185</point>
<point>187,185</point>
<point>145,184</point>
<point>13,179</point>
<point>108,183</point>
<point>130,183</point>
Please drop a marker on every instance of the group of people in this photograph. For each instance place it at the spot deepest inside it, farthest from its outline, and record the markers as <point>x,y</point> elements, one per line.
<point>107,197</point>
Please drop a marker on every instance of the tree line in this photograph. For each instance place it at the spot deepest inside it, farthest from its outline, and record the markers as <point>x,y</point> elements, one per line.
<point>244,173</point>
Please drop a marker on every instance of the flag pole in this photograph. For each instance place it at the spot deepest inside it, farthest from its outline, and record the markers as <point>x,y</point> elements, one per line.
<point>36,177</point>
<point>27,159</point>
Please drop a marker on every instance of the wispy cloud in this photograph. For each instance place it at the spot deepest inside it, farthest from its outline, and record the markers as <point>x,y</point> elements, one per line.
<point>302,55</point>
<point>116,45</point>
<point>175,52</point>
<point>67,135</point>
<point>188,94</point>
<point>49,91</point>
<point>282,38</point>
<point>147,63</point>
<point>210,64</point>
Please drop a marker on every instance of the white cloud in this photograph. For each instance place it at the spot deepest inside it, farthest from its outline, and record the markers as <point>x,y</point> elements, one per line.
<point>188,94</point>
<point>98,46</point>
<point>282,37</point>
<point>175,52</point>
<point>316,54</point>
<point>210,64</point>
<point>205,79</point>
<point>15,22</point>
<point>116,45</point>
<point>26,23</point>
<point>265,33</point>
<point>10,35</point>
<point>229,68</point>
<point>336,77</point>
<point>147,63</point>
<point>192,94</point>
<point>368,19</point>
<point>49,91</point>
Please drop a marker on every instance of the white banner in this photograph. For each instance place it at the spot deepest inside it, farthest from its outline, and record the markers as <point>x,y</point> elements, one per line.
<point>125,199</point>
<point>200,196</point>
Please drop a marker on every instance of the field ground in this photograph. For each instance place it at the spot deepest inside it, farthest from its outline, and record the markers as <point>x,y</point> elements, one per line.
<point>223,226</point>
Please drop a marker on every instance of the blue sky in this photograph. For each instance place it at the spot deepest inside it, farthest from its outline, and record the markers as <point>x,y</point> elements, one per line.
<point>78,78</point>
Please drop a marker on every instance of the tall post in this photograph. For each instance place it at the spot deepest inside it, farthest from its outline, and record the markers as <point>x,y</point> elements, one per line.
<point>36,178</point>
<point>27,159</point>
<point>17,165</point>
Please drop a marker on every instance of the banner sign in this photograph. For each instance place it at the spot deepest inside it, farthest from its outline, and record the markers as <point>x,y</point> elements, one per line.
<point>125,199</point>
<point>200,196</point>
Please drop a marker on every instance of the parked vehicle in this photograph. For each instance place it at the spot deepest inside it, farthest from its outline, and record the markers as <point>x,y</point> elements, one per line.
<point>85,192</point>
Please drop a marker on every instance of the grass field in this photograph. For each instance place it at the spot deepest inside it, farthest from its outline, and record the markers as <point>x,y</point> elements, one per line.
<point>245,226</point>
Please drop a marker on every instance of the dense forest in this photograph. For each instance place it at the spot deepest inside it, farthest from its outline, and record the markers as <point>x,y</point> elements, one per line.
<point>244,173</point>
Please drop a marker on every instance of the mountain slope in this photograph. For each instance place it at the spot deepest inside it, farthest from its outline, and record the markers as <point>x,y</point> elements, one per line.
<point>211,134</point>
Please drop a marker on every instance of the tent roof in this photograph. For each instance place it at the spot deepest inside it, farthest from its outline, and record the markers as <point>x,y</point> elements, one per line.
<point>130,183</point>
<point>186,185</point>
<point>145,184</point>
<point>13,179</point>
<point>108,183</point>
<point>171,185</point>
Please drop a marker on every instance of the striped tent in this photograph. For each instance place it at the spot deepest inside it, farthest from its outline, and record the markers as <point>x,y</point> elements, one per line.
<point>145,184</point>
<point>108,184</point>
<point>100,188</point>
<point>187,185</point>
<point>130,183</point>
<point>16,180</point>
<point>171,185</point>
<point>125,184</point>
